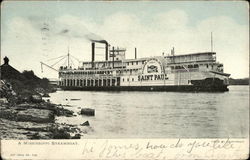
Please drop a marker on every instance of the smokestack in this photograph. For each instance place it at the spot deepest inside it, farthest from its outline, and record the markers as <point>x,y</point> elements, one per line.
<point>93,53</point>
<point>172,52</point>
<point>106,51</point>
<point>113,57</point>
<point>135,53</point>
<point>106,47</point>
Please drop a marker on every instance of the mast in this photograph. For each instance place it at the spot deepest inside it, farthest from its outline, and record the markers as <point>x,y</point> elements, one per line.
<point>211,41</point>
<point>68,56</point>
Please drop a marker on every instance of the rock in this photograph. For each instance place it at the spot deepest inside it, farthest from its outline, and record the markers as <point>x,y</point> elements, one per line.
<point>85,123</point>
<point>45,95</point>
<point>9,114</point>
<point>36,115</point>
<point>24,130</point>
<point>64,112</point>
<point>20,109</point>
<point>76,136</point>
<point>75,99</point>
<point>88,111</point>
<point>38,129</point>
<point>35,136</point>
<point>47,106</point>
<point>26,106</point>
<point>3,101</point>
<point>36,98</point>
<point>60,134</point>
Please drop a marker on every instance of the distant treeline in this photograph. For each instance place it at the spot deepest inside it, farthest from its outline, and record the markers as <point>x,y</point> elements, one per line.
<point>244,81</point>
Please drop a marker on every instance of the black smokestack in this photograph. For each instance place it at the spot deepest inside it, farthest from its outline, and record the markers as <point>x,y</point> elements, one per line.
<point>99,41</point>
<point>106,51</point>
<point>135,53</point>
<point>106,46</point>
<point>113,57</point>
<point>93,53</point>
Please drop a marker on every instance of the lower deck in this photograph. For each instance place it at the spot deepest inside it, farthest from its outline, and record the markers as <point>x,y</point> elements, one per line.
<point>184,88</point>
<point>173,79</point>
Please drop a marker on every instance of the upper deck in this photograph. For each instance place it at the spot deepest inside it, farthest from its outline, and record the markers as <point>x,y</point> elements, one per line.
<point>115,59</point>
<point>173,60</point>
<point>192,58</point>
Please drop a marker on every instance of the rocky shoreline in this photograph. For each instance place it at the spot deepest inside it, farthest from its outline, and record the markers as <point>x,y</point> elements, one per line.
<point>35,121</point>
<point>23,112</point>
<point>28,116</point>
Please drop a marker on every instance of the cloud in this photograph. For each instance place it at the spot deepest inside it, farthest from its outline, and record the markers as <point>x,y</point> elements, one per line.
<point>121,23</point>
<point>165,30</point>
<point>171,20</point>
<point>230,42</point>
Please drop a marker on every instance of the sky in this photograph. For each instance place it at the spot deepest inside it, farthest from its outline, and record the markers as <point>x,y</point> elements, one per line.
<point>35,31</point>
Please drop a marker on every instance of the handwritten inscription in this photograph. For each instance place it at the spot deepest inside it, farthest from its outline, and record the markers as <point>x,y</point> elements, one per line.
<point>153,150</point>
<point>216,144</point>
<point>129,149</point>
<point>164,146</point>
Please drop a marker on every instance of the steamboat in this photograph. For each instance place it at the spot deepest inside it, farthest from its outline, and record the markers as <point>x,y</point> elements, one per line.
<point>189,72</point>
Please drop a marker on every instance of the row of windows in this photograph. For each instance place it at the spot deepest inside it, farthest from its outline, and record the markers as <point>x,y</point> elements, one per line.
<point>134,63</point>
<point>88,73</point>
<point>110,64</point>
<point>128,71</point>
<point>87,83</point>
<point>128,79</point>
<point>189,66</point>
<point>192,58</point>
<point>101,72</point>
<point>195,66</point>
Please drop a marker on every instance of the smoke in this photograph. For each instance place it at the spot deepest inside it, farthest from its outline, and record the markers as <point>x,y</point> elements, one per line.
<point>86,35</point>
<point>95,38</point>
<point>80,34</point>
<point>64,31</point>
<point>66,27</point>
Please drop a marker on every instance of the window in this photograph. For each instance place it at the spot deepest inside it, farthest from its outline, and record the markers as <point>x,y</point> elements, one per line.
<point>123,79</point>
<point>132,63</point>
<point>132,79</point>
<point>128,63</point>
<point>128,79</point>
<point>136,62</point>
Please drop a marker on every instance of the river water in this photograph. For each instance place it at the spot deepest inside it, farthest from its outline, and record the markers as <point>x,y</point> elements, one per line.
<point>159,114</point>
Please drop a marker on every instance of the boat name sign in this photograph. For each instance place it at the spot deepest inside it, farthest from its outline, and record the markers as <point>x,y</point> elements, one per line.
<point>153,77</point>
<point>152,70</point>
